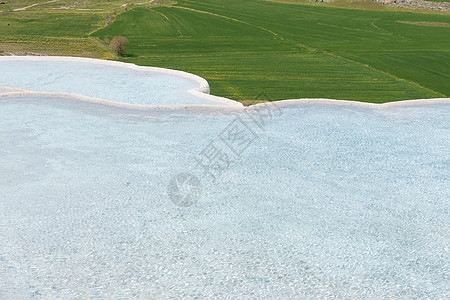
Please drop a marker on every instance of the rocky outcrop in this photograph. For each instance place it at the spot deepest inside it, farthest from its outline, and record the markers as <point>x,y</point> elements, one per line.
<point>417,4</point>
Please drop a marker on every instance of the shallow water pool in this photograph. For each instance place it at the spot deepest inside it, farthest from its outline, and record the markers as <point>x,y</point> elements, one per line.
<point>315,201</point>
<point>98,80</point>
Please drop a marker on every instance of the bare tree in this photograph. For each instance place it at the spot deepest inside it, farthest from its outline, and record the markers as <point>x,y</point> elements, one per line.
<point>118,44</point>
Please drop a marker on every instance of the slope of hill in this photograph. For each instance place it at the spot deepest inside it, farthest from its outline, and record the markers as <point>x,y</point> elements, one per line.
<point>293,51</point>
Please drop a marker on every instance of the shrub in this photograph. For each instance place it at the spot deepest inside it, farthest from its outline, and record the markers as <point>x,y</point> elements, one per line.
<point>118,44</point>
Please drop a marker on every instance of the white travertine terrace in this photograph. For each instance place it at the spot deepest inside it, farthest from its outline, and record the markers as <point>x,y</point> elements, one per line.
<point>202,91</point>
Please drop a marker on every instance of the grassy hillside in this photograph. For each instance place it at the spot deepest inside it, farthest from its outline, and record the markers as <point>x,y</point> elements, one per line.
<point>245,47</point>
<point>58,27</point>
<point>293,51</point>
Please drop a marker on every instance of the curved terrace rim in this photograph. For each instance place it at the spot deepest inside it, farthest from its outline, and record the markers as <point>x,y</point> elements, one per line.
<point>202,91</point>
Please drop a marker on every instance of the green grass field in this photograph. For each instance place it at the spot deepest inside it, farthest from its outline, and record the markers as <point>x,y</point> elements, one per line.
<point>59,27</point>
<point>286,50</point>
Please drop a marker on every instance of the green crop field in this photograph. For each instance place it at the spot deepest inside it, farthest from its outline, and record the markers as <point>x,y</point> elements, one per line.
<point>56,27</point>
<point>245,47</point>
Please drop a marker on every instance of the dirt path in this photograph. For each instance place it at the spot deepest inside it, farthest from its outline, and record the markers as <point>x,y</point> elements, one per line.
<point>26,7</point>
<point>144,2</point>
